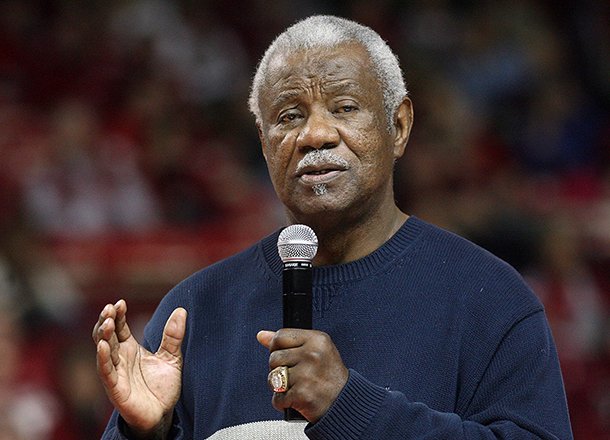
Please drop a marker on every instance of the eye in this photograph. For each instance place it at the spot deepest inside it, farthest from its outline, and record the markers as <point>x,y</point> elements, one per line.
<point>346,108</point>
<point>288,116</point>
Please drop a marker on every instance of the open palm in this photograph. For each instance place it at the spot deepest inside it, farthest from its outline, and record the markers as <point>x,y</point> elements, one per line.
<point>143,386</point>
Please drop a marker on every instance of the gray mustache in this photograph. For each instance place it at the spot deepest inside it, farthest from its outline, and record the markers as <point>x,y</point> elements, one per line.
<point>321,157</point>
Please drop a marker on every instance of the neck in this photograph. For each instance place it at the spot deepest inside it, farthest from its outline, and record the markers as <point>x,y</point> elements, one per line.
<point>342,242</point>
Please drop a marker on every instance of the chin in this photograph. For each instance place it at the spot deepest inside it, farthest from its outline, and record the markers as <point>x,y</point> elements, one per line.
<point>318,210</point>
<point>304,203</point>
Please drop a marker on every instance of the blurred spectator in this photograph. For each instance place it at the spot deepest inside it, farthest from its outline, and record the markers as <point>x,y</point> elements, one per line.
<point>85,183</point>
<point>28,410</point>
<point>188,44</point>
<point>31,277</point>
<point>84,403</point>
<point>577,311</point>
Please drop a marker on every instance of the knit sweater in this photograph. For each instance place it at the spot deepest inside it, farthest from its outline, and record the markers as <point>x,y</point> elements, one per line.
<point>442,341</point>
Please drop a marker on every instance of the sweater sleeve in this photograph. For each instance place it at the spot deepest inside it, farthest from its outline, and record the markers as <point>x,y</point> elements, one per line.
<point>520,395</point>
<point>117,429</point>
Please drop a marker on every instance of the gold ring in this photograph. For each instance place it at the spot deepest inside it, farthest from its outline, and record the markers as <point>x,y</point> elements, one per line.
<point>278,379</point>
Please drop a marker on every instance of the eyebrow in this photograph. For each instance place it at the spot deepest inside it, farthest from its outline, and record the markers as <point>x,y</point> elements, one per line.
<point>338,87</point>
<point>285,96</point>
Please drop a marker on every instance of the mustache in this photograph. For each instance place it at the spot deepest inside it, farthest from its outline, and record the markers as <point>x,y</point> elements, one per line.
<point>315,158</point>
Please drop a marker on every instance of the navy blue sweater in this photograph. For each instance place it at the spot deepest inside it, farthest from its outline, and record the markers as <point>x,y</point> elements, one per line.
<point>442,339</point>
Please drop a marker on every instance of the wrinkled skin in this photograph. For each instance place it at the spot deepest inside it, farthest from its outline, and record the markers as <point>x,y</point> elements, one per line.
<point>330,99</point>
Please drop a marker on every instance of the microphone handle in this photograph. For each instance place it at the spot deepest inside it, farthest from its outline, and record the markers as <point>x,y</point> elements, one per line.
<point>297,306</point>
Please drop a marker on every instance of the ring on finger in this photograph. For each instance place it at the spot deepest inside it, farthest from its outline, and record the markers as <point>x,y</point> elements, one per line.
<point>278,379</point>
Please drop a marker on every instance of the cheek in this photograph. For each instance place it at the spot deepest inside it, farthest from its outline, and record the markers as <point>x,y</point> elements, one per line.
<point>371,148</point>
<point>367,135</point>
<point>274,168</point>
<point>376,161</point>
<point>278,159</point>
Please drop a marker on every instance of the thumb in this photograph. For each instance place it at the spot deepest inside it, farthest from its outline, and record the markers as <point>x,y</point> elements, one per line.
<point>173,333</point>
<point>265,337</point>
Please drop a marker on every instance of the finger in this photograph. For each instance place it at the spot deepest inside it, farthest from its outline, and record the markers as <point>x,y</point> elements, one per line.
<point>264,337</point>
<point>107,312</point>
<point>288,357</point>
<point>305,404</point>
<point>310,391</point>
<point>122,329</point>
<point>173,333</point>
<point>105,366</point>
<point>284,346</point>
<point>107,332</point>
<point>288,338</point>
<point>281,401</point>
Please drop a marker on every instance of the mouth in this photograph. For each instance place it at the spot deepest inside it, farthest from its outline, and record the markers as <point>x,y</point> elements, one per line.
<point>320,166</point>
<point>320,174</point>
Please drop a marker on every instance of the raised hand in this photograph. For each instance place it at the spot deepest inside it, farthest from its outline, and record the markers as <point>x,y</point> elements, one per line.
<point>143,386</point>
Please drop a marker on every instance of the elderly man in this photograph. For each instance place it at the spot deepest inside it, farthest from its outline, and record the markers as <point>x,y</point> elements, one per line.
<point>417,332</point>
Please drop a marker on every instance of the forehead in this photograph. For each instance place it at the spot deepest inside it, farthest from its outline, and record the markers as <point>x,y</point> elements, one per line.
<point>346,66</point>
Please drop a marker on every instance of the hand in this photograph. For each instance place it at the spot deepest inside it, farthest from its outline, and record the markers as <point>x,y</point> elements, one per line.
<point>143,386</point>
<point>316,373</point>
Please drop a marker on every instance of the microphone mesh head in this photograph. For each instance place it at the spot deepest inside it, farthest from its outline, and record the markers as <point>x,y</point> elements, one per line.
<point>297,243</point>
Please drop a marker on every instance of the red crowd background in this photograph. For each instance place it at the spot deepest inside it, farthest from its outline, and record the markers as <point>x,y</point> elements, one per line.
<point>128,159</point>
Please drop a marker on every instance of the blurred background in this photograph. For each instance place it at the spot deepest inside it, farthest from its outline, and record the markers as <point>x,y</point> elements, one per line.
<point>128,160</point>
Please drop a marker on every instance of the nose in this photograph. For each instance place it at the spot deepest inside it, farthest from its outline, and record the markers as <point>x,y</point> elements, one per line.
<point>319,131</point>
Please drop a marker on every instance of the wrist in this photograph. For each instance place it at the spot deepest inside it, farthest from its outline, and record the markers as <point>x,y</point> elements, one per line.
<point>158,432</point>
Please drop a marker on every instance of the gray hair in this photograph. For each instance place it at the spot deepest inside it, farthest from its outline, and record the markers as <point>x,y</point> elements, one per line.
<point>329,31</point>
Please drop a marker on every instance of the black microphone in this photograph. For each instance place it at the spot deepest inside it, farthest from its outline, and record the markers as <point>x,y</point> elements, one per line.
<point>297,245</point>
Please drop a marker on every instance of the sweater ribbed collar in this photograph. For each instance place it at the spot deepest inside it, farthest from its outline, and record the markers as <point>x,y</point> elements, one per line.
<point>354,270</point>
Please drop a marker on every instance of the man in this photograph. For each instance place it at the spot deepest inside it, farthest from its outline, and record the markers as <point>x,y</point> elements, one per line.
<point>418,333</point>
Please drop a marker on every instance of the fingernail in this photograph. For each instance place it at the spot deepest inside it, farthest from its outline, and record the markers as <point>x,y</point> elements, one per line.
<point>265,334</point>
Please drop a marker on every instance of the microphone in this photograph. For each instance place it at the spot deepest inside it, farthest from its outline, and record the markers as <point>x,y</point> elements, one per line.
<point>297,245</point>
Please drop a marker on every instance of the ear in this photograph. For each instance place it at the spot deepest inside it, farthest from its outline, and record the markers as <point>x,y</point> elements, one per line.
<point>262,139</point>
<point>403,121</point>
